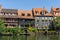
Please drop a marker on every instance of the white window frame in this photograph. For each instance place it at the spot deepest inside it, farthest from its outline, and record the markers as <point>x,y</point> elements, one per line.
<point>42,18</point>
<point>50,18</point>
<point>46,18</point>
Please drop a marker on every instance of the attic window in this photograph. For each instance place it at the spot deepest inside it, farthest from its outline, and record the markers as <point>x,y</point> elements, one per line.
<point>46,12</point>
<point>42,13</point>
<point>23,14</point>
<point>28,15</point>
<point>36,12</point>
<point>57,8</point>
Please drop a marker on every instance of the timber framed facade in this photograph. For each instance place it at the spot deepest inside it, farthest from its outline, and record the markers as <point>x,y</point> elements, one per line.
<point>37,17</point>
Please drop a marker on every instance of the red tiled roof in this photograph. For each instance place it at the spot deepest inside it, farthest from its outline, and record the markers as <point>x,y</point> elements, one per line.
<point>26,12</point>
<point>55,9</point>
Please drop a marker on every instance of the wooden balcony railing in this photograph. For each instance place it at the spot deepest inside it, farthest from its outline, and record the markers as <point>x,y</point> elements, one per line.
<point>10,21</point>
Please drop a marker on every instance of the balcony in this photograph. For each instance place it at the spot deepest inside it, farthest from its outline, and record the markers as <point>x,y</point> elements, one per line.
<point>10,21</point>
<point>26,22</point>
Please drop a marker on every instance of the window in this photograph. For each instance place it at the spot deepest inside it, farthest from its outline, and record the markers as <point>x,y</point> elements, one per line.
<point>56,13</point>
<point>37,20</point>
<point>42,20</point>
<point>14,14</point>
<point>23,20</point>
<point>46,18</point>
<point>37,17</point>
<point>46,12</point>
<point>23,14</point>
<point>36,12</point>
<point>6,13</point>
<point>57,8</point>
<point>9,14</point>
<point>37,24</point>
<point>42,13</point>
<point>50,18</point>
<point>28,15</point>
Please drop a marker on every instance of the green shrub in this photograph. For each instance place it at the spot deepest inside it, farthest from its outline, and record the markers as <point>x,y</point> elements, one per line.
<point>22,31</point>
<point>32,29</point>
<point>12,30</point>
<point>1,29</point>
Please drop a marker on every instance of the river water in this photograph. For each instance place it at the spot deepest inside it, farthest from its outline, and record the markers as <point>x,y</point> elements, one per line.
<point>31,37</point>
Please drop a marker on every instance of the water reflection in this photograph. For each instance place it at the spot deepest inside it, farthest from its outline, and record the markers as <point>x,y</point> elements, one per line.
<point>31,37</point>
<point>48,37</point>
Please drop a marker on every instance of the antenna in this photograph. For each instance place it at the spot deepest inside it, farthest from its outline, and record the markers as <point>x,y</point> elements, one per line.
<point>43,7</point>
<point>0,8</point>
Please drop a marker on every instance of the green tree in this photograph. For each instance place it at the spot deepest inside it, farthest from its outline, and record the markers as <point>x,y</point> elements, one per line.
<point>57,22</point>
<point>1,25</point>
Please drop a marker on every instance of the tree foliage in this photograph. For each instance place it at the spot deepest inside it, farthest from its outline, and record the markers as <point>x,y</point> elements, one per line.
<point>32,29</point>
<point>1,25</point>
<point>57,21</point>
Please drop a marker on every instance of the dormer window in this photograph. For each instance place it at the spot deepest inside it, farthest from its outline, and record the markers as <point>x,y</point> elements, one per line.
<point>23,14</point>
<point>36,12</point>
<point>46,12</point>
<point>57,8</point>
<point>28,15</point>
<point>42,13</point>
